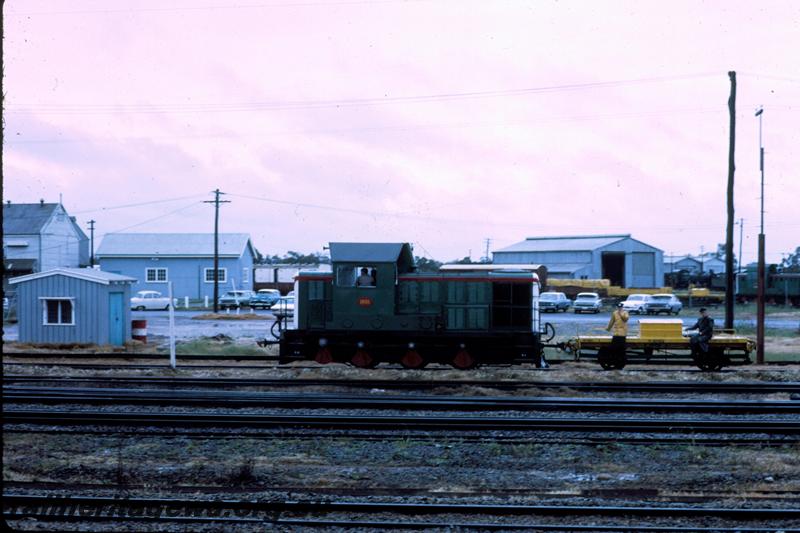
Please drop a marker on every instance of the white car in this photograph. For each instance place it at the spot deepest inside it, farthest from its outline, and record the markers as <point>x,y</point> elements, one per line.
<point>284,306</point>
<point>587,302</point>
<point>664,303</point>
<point>636,303</point>
<point>149,300</point>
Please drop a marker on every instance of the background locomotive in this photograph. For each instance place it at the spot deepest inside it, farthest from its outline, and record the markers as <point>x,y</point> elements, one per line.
<point>400,315</point>
<point>781,287</point>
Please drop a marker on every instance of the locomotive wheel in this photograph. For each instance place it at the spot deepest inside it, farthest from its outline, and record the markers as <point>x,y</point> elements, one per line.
<point>362,359</point>
<point>413,360</point>
<point>323,356</point>
<point>464,360</point>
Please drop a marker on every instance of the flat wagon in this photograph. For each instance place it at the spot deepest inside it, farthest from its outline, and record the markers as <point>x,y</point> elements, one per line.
<point>663,341</point>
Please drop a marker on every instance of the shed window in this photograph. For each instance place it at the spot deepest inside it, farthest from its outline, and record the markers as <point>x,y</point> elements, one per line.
<point>58,312</point>
<point>156,275</point>
<point>222,275</point>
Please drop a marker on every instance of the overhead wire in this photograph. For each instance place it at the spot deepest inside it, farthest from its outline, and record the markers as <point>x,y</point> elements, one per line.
<point>338,103</point>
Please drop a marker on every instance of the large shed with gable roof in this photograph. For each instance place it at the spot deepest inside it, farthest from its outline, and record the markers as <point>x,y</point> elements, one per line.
<point>623,260</point>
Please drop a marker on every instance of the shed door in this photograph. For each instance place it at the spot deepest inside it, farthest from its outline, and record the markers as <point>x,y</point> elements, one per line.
<point>116,319</point>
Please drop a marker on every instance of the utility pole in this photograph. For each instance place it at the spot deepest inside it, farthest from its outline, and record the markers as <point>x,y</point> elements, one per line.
<point>486,254</point>
<point>762,278</point>
<point>91,243</point>
<point>216,201</point>
<point>729,294</point>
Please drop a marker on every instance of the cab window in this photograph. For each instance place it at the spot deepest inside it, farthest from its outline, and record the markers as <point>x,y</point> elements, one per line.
<point>358,276</point>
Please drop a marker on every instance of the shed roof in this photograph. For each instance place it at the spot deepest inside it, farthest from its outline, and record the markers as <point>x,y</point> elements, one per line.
<point>87,274</point>
<point>370,252</point>
<point>25,219</point>
<point>173,245</point>
<point>564,244</point>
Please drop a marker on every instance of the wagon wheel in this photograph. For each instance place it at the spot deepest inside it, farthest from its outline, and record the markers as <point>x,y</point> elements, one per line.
<point>708,362</point>
<point>463,360</point>
<point>362,359</point>
<point>413,360</point>
<point>606,359</point>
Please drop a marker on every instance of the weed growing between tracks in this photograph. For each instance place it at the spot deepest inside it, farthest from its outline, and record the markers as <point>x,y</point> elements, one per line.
<point>164,465</point>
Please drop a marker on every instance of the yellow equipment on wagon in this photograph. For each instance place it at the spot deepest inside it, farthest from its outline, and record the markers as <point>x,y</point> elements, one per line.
<point>664,341</point>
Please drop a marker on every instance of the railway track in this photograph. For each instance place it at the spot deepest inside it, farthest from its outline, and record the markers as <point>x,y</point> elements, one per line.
<point>232,399</point>
<point>750,387</point>
<point>353,513</point>
<point>400,423</point>
<point>283,434</point>
<point>617,494</point>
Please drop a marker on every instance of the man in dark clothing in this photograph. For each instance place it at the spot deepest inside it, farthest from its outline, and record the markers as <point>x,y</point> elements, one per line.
<point>705,330</point>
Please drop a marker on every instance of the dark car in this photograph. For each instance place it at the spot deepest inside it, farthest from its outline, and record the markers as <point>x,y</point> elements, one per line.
<point>554,301</point>
<point>235,299</point>
<point>265,299</point>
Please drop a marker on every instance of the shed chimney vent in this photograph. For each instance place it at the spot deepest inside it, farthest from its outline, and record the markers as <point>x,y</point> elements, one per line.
<point>41,202</point>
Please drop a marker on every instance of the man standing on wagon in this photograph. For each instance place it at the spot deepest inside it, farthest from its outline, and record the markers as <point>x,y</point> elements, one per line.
<point>618,325</point>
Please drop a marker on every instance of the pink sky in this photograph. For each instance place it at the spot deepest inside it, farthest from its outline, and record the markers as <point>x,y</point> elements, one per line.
<point>440,123</point>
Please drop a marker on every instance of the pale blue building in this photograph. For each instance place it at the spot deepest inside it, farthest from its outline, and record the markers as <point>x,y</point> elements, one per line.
<point>185,259</point>
<point>623,260</point>
<point>74,306</point>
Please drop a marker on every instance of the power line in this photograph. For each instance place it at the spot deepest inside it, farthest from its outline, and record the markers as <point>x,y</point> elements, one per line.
<point>411,127</point>
<point>210,7</point>
<point>320,104</point>
<point>124,206</point>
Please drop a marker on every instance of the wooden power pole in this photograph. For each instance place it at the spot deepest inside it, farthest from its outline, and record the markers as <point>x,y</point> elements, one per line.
<point>216,201</point>
<point>729,285</point>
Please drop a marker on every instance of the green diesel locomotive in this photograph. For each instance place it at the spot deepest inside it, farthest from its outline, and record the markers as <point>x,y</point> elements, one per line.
<point>375,307</point>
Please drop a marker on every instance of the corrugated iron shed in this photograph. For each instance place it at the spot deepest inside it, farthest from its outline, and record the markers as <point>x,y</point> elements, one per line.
<point>560,244</point>
<point>172,245</point>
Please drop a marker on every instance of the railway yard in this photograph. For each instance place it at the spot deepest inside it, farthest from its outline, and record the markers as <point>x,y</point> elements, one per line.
<point>109,442</point>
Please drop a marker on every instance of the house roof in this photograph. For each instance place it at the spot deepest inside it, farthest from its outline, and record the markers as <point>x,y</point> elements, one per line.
<point>26,219</point>
<point>173,245</point>
<point>88,274</point>
<point>370,252</point>
<point>563,244</point>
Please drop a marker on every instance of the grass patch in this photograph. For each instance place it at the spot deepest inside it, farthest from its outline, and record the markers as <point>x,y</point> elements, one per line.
<point>212,347</point>
<point>750,331</point>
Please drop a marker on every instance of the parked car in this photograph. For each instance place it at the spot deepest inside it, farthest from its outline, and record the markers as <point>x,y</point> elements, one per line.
<point>235,299</point>
<point>664,303</point>
<point>149,300</point>
<point>284,306</point>
<point>554,301</point>
<point>587,302</point>
<point>636,303</point>
<point>265,298</point>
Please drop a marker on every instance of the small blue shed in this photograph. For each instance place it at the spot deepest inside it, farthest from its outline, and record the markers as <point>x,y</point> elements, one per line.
<point>74,306</point>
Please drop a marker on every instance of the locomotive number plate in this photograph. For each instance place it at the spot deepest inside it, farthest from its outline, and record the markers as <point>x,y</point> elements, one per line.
<point>364,301</point>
